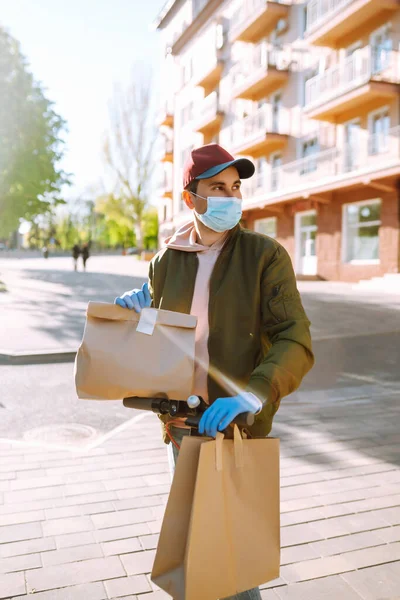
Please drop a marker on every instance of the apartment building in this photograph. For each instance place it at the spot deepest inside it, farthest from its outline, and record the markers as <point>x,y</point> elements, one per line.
<point>310,92</point>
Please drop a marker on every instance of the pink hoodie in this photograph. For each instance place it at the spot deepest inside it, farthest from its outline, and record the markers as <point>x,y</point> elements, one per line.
<point>185,239</point>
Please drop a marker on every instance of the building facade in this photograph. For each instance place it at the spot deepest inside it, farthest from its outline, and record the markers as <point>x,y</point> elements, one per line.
<point>310,92</point>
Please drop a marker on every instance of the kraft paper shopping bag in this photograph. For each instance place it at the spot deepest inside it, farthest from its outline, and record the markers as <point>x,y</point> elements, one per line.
<point>124,353</point>
<point>221,529</point>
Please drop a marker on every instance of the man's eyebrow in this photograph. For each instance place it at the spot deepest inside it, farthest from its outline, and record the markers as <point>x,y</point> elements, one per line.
<point>223,182</point>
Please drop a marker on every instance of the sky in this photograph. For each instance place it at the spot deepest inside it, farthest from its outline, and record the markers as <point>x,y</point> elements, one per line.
<point>79,49</point>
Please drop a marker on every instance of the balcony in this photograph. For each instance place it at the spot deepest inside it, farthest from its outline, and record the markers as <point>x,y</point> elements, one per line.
<point>167,154</point>
<point>368,78</point>
<point>210,117</point>
<point>165,117</point>
<point>264,72</point>
<point>209,75</point>
<point>374,158</point>
<point>329,21</point>
<point>256,18</point>
<point>258,134</point>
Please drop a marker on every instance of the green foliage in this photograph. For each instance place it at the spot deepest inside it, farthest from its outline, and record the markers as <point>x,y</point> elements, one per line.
<point>30,142</point>
<point>150,229</point>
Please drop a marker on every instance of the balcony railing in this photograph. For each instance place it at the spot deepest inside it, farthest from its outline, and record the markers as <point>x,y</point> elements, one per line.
<point>249,11</point>
<point>264,121</point>
<point>320,11</point>
<point>370,154</point>
<point>208,107</point>
<point>256,65</point>
<point>358,69</point>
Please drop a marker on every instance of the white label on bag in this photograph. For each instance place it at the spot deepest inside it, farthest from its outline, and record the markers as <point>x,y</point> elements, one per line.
<point>147,321</point>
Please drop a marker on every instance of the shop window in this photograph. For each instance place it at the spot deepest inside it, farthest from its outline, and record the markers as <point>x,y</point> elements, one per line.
<point>266,226</point>
<point>361,223</point>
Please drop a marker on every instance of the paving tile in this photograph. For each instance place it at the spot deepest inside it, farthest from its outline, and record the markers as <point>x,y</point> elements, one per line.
<point>139,562</point>
<point>268,595</point>
<point>299,534</point>
<point>12,584</point>
<point>125,483</point>
<point>149,542</point>
<point>84,488</point>
<point>390,534</point>
<point>16,533</point>
<point>127,585</point>
<point>126,517</point>
<point>329,588</point>
<point>120,533</point>
<point>369,557</point>
<point>350,524</point>
<point>145,491</point>
<point>20,563</point>
<point>39,494</point>
<point>69,540</point>
<point>35,483</point>
<point>376,582</point>
<point>88,591</point>
<point>347,543</point>
<point>18,507</point>
<point>69,555</point>
<point>298,553</point>
<point>121,546</point>
<point>140,502</point>
<point>27,547</point>
<point>154,526</point>
<point>69,525</point>
<point>391,515</point>
<point>24,517</point>
<point>87,571</point>
<point>313,569</point>
<point>82,499</point>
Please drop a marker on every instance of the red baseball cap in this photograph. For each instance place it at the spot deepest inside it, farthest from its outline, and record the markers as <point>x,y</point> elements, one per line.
<point>209,160</point>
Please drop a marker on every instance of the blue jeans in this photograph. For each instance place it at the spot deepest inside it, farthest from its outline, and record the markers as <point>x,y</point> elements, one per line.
<point>173,452</point>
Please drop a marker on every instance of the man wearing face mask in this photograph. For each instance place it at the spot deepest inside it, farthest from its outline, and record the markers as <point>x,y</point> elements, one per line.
<point>253,344</point>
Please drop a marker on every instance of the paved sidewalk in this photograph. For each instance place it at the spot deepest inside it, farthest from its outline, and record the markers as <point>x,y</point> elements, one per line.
<point>83,525</point>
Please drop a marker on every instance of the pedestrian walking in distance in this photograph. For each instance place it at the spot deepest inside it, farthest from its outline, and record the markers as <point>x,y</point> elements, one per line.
<point>76,250</point>
<point>251,325</point>
<point>85,255</point>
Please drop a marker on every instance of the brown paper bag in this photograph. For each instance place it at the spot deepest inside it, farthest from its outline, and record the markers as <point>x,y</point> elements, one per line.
<point>221,529</point>
<point>124,353</point>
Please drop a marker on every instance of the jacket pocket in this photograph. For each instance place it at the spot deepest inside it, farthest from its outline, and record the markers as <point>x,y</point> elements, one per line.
<point>276,305</point>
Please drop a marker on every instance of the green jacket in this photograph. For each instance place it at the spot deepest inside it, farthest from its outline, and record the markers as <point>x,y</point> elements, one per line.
<point>259,333</point>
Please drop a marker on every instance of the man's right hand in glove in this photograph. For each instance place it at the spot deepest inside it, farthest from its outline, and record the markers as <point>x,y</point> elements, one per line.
<point>135,299</point>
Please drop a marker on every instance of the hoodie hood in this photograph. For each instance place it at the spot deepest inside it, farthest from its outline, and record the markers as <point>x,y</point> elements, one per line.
<point>185,239</point>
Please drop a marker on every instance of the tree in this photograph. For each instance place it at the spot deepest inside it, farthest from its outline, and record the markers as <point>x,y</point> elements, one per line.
<point>30,142</point>
<point>128,152</point>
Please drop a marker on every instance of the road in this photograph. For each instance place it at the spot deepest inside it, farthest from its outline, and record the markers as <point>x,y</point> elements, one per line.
<point>356,341</point>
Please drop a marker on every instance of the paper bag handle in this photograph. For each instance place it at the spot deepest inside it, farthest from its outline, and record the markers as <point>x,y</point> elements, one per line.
<point>237,448</point>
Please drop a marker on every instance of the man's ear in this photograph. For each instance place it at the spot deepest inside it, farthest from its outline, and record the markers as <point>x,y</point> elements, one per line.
<point>187,198</point>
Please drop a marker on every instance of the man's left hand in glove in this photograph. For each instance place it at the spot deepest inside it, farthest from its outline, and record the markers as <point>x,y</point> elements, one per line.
<point>223,411</point>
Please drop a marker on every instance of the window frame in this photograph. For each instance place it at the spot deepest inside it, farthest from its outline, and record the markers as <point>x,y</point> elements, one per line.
<point>264,220</point>
<point>345,232</point>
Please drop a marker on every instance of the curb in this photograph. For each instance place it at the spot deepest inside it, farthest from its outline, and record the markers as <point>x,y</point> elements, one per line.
<point>35,357</point>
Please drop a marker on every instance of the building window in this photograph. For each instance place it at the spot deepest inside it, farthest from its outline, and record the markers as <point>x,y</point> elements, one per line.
<point>361,222</point>
<point>266,226</point>
<point>309,150</point>
<point>379,132</point>
<point>276,163</point>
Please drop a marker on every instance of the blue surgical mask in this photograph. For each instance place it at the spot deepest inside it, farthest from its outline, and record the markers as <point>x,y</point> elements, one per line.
<point>222,213</point>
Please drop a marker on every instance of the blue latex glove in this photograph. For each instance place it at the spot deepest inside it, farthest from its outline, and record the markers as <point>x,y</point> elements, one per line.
<point>224,410</point>
<point>135,299</point>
